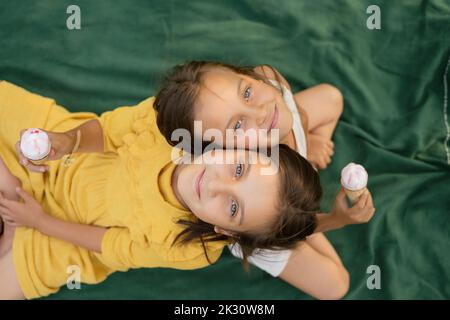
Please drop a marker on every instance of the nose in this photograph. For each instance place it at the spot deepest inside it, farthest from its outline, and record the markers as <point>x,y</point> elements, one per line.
<point>219,183</point>
<point>259,113</point>
<point>217,186</point>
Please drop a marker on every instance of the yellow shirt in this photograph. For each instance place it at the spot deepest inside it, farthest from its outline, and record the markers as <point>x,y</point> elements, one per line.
<point>126,188</point>
<point>141,179</point>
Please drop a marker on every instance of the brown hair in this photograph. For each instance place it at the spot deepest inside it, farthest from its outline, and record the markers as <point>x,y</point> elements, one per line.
<point>177,96</point>
<point>298,203</point>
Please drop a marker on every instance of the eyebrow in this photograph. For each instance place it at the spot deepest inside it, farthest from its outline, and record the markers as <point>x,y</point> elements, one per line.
<point>239,86</point>
<point>242,206</point>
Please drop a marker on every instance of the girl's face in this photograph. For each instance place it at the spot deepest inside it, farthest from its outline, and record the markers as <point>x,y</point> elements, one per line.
<point>234,197</point>
<point>228,100</point>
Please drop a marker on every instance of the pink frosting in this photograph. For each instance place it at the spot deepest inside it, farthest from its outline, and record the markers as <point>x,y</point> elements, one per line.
<point>354,177</point>
<point>35,144</point>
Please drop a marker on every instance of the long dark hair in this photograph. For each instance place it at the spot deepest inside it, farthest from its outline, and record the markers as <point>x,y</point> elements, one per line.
<point>177,96</point>
<point>298,203</point>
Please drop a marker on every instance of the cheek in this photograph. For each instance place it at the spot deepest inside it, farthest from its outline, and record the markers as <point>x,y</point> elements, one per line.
<point>209,213</point>
<point>264,92</point>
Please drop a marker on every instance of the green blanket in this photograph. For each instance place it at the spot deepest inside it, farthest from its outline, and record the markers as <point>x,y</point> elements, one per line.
<point>394,122</point>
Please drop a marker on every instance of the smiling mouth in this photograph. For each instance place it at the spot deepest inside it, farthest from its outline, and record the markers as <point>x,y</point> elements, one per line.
<point>198,182</point>
<point>273,123</point>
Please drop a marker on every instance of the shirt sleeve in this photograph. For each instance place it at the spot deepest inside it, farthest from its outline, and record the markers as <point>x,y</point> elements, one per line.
<point>125,120</point>
<point>271,261</point>
<point>120,252</point>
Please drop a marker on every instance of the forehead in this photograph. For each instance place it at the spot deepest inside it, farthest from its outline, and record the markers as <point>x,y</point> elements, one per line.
<point>219,92</point>
<point>220,80</point>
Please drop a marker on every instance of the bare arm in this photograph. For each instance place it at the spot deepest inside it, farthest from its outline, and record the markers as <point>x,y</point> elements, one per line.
<point>30,213</point>
<point>327,222</point>
<point>63,143</point>
<point>320,243</point>
<point>341,214</point>
<point>91,136</point>
<point>315,268</point>
<point>82,235</point>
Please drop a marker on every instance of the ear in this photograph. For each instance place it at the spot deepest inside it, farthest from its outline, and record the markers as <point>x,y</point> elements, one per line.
<point>224,232</point>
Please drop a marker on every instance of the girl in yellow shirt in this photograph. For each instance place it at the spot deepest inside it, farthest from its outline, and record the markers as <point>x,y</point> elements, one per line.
<point>123,203</point>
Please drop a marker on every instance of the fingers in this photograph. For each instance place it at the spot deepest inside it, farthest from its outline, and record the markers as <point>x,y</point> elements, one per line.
<point>323,161</point>
<point>321,164</point>
<point>33,167</point>
<point>364,199</point>
<point>361,203</point>
<point>22,158</point>
<point>330,143</point>
<point>370,206</point>
<point>329,147</point>
<point>8,203</point>
<point>5,213</point>
<point>36,168</point>
<point>365,205</point>
<point>341,193</point>
<point>330,152</point>
<point>370,201</point>
<point>9,221</point>
<point>22,193</point>
<point>3,201</point>
<point>28,164</point>
<point>340,198</point>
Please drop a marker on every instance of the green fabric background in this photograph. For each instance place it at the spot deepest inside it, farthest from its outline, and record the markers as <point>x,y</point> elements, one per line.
<point>393,122</point>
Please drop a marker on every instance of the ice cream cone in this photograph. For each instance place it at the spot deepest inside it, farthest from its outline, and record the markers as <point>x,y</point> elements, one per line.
<point>353,195</point>
<point>39,162</point>
<point>354,181</point>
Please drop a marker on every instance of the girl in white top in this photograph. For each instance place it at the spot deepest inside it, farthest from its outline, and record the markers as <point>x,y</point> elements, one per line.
<point>274,262</point>
<point>225,97</point>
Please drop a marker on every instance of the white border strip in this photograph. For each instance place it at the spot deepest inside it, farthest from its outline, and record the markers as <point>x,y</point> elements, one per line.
<point>447,138</point>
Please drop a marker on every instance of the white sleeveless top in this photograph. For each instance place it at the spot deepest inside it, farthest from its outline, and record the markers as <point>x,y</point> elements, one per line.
<point>299,133</point>
<point>274,262</point>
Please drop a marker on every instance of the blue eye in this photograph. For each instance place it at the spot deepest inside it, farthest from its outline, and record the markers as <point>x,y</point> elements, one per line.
<point>247,93</point>
<point>238,125</point>
<point>233,208</point>
<point>239,169</point>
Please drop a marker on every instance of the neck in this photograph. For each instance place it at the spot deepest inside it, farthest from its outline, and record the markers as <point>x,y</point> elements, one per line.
<point>289,140</point>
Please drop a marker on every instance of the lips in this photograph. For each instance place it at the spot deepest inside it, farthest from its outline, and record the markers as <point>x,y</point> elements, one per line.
<point>274,120</point>
<point>198,182</point>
